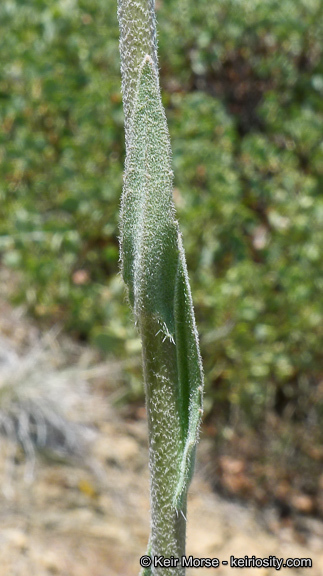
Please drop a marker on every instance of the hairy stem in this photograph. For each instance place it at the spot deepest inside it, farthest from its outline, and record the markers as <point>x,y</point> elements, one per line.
<point>168,524</point>
<point>154,270</point>
<point>137,24</point>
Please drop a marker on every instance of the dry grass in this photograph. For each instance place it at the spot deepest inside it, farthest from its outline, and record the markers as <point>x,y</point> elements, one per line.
<point>43,405</point>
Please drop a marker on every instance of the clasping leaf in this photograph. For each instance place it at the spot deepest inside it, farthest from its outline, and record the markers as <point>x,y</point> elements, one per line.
<point>153,260</point>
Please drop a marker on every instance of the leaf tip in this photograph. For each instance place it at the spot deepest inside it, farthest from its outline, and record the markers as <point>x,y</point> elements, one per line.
<point>147,63</point>
<point>148,58</point>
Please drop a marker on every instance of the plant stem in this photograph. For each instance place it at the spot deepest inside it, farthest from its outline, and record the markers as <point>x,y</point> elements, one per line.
<point>168,524</point>
<point>137,24</point>
<point>154,270</point>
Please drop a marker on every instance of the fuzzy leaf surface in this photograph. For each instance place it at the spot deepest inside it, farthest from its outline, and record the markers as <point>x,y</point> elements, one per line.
<point>153,260</point>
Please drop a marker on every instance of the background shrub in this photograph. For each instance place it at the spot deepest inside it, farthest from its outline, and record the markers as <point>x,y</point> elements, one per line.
<point>243,87</point>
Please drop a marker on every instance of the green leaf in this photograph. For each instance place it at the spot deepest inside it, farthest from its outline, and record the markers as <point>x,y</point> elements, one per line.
<point>153,260</point>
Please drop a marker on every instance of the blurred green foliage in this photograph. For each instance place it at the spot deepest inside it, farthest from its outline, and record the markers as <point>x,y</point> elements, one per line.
<point>243,87</point>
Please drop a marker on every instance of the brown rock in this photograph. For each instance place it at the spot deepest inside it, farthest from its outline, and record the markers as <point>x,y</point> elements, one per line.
<point>302,503</point>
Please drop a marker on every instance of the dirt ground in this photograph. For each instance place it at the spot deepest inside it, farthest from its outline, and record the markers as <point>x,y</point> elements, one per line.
<point>92,518</point>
